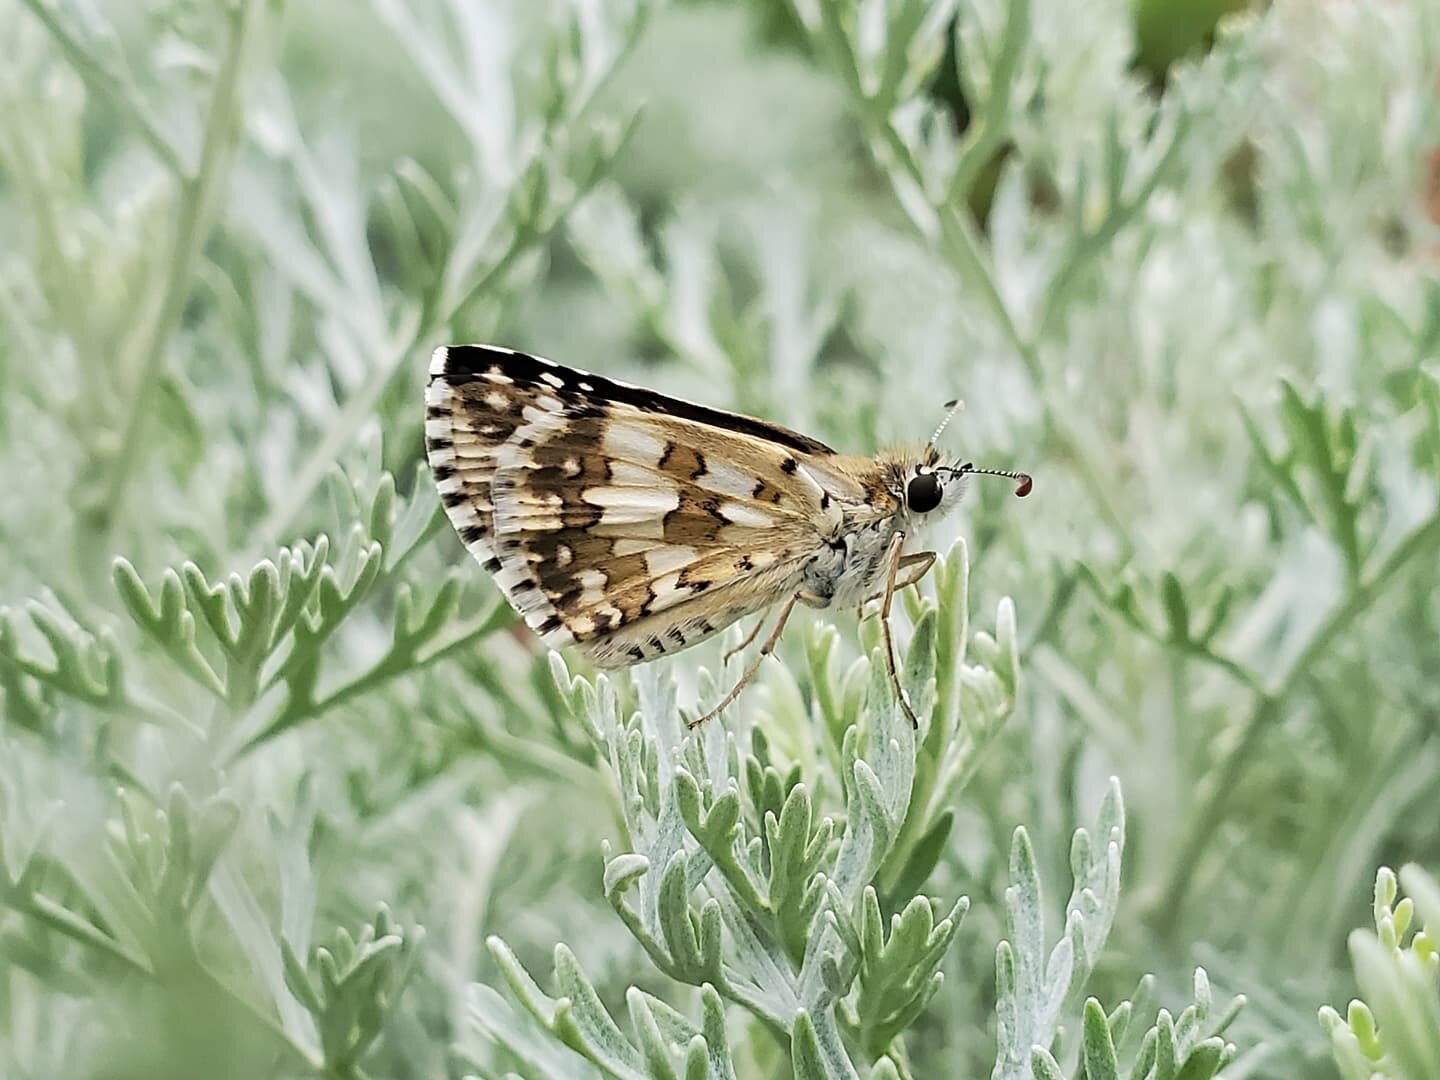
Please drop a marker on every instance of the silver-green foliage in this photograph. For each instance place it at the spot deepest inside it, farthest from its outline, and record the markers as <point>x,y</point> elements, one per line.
<point>256,700</point>
<point>1394,1029</point>
<point>736,880</point>
<point>212,334</point>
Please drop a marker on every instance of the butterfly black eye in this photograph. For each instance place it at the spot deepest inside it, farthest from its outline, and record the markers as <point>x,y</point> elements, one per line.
<point>922,494</point>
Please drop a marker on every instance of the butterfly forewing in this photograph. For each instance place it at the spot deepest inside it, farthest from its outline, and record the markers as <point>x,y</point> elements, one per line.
<point>614,518</point>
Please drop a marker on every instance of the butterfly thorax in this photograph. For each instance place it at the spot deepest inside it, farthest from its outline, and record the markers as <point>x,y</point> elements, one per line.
<point>853,566</point>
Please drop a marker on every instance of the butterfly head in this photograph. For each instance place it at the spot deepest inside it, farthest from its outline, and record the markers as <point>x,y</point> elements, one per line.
<point>931,484</point>
<point>933,487</point>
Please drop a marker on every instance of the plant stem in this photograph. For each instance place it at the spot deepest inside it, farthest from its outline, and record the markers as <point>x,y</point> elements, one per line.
<point>268,1023</point>
<point>390,667</point>
<point>1090,244</point>
<point>1268,709</point>
<point>361,405</point>
<point>193,223</point>
<point>64,921</point>
<point>112,85</point>
<point>990,128</point>
<point>435,317</point>
<point>965,252</point>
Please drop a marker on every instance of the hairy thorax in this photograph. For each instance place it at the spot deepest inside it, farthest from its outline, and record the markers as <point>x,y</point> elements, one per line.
<point>853,568</point>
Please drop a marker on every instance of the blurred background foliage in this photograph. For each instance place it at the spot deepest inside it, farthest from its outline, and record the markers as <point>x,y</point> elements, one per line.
<point>273,766</point>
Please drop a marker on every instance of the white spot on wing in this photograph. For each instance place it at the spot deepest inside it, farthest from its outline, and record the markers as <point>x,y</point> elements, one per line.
<point>662,560</point>
<point>544,523</point>
<point>629,443</point>
<point>625,474</point>
<point>725,479</point>
<point>463,514</point>
<point>631,504</point>
<point>592,586</point>
<point>744,514</point>
<point>666,589</point>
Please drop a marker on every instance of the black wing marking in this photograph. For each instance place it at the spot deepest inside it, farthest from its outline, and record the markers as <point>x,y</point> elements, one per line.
<point>465,362</point>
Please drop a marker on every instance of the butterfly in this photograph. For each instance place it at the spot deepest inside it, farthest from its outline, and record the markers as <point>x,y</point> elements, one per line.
<point>629,524</point>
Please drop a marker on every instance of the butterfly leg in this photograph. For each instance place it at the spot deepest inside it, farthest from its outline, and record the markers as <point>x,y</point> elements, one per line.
<point>745,644</point>
<point>912,569</point>
<point>765,650</point>
<point>893,557</point>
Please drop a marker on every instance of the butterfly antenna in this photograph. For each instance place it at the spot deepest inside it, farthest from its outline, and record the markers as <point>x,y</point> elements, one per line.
<point>1023,483</point>
<point>951,408</point>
